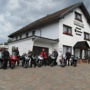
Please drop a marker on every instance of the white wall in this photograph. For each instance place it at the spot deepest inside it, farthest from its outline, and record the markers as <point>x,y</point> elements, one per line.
<point>38,32</point>
<point>23,45</point>
<point>50,31</point>
<point>69,20</point>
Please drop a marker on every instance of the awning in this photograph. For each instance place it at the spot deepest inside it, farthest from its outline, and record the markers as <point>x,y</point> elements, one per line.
<point>81,45</point>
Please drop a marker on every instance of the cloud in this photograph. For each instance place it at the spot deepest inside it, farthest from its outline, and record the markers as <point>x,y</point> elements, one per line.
<point>5,28</point>
<point>13,4</point>
<point>14,14</point>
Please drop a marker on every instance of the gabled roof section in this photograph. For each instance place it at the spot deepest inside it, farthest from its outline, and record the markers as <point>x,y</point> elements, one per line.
<point>51,18</point>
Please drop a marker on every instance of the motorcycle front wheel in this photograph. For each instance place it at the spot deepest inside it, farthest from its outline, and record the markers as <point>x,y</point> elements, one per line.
<point>12,66</point>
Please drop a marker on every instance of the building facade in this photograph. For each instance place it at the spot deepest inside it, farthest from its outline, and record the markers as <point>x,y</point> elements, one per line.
<point>67,30</point>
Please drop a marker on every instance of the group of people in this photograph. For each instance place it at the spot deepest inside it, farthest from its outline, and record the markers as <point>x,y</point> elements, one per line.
<point>68,60</point>
<point>30,59</point>
<point>39,60</point>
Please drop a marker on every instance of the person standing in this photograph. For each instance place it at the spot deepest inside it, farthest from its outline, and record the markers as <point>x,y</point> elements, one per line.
<point>44,55</point>
<point>55,55</point>
<point>68,56</point>
<point>18,56</point>
<point>13,51</point>
<point>5,56</point>
<point>17,51</point>
<point>23,58</point>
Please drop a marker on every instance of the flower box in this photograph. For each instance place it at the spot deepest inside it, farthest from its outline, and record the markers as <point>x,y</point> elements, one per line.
<point>68,33</point>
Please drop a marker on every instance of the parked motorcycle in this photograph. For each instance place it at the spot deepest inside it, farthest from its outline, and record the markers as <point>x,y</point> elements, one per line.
<point>62,62</point>
<point>74,61</point>
<point>40,61</point>
<point>52,60</point>
<point>34,61</point>
<point>27,62</point>
<point>12,61</point>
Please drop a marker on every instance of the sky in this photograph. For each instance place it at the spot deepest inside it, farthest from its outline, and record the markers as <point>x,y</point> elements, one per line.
<point>15,14</point>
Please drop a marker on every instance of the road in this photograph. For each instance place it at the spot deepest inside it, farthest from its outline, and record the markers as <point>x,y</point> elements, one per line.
<point>46,78</point>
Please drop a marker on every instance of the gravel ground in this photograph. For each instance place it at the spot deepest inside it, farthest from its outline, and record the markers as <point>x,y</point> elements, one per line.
<point>46,78</point>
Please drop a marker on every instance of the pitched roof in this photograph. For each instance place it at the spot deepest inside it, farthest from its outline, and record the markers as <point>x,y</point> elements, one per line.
<point>52,18</point>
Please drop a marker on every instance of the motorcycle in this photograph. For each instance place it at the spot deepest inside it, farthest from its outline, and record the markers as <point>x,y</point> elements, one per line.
<point>27,62</point>
<point>13,60</point>
<point>52,60</point>
<point>40,61</point>
<point>62,62</point>
<point>33,61</point>
<point>74,61</point>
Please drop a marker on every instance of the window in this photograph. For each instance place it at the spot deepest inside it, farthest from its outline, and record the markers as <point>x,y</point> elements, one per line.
<point>67,30</point>
<point>86,36</point>
<point>78,16</point>
<point>27,35</point>
<point>67,49</point>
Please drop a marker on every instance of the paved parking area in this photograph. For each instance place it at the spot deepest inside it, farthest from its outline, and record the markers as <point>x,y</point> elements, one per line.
<point>46,78</point>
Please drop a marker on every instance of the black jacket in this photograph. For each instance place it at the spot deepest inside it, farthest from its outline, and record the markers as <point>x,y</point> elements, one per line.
<point>68,55</point>
<point>55,54</point>
<point>5,54</point>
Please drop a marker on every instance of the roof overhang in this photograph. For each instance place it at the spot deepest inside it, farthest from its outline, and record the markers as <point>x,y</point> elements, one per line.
<point>38,39</point>
<point>45,40</point>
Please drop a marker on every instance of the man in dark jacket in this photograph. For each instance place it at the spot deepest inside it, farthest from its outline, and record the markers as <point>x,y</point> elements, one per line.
<point>68,56</point>
<point>55,55</point>
<point>5,56</point>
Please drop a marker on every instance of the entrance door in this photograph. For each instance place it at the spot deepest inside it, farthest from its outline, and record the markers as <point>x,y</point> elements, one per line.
<point>37,50</point>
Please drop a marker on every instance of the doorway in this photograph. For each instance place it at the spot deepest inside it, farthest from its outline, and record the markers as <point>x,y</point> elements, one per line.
<point>38,49</point>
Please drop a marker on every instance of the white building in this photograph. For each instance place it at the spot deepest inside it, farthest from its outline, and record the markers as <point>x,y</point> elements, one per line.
<point>65,30</point>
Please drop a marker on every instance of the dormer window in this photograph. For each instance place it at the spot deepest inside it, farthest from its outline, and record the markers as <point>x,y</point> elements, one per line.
<point>27,34</point>
<point>78,16</point>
